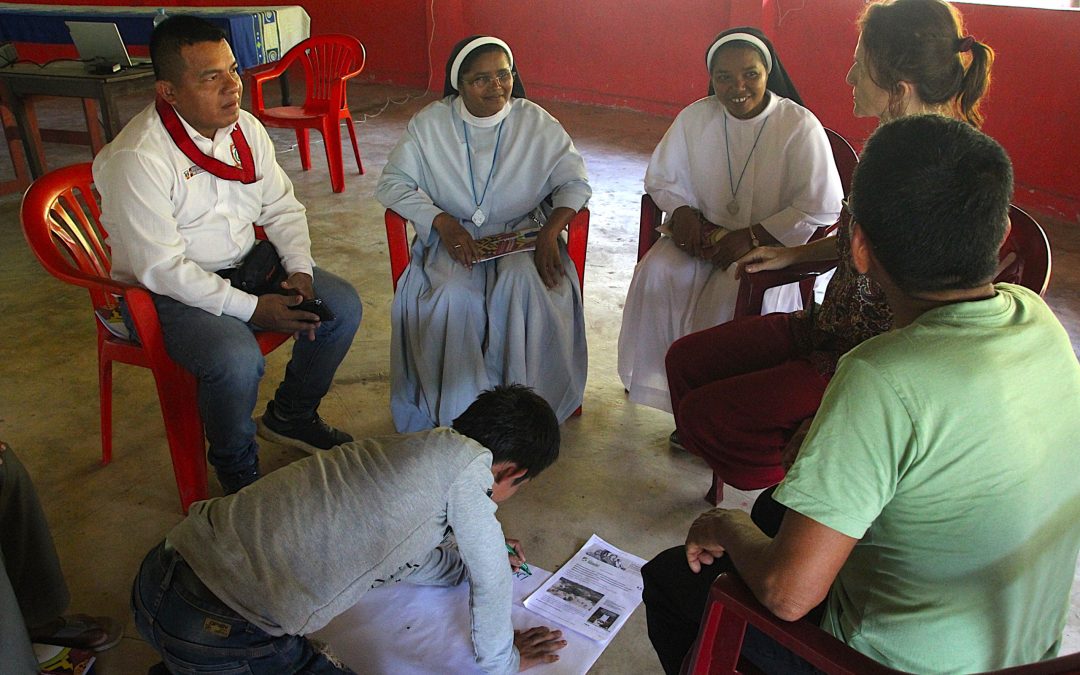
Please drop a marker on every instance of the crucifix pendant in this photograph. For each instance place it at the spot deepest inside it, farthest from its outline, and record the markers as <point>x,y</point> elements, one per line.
<point>478,217</point>
<point>733,207</point>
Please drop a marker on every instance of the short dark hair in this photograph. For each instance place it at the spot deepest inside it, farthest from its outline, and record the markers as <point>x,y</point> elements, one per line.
<point>516,425</point>
<point>932,195</point>
<point>172,34</point>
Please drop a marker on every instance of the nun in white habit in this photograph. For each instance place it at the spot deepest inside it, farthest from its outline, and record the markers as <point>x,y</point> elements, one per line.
<point>746,165</point>
<point>484,160</point>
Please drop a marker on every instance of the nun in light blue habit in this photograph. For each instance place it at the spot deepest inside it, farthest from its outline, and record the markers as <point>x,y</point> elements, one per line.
<point>481,161</point>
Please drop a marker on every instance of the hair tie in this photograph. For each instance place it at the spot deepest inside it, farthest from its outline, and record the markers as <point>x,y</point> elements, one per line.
<point>965,44</point>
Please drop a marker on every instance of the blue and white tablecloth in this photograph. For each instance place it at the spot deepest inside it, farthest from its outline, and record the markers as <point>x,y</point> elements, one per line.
<point>257,34</point>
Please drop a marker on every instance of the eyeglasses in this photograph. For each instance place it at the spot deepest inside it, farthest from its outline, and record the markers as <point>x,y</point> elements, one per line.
<point>503,77</point>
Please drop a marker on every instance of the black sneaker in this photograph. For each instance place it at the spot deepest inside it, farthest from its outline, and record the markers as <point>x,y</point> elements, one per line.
<point>311,436</point>
<point>232,481</point>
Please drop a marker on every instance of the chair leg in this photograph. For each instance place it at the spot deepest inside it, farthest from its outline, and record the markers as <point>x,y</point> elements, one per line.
<point>355,147</point>
<point>331,131</point>
<point>715,495</point>
<point>105,402</point>
<point>179,407</point>
<point>303,144</point>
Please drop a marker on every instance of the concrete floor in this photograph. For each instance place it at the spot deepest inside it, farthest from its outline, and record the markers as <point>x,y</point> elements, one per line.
<point>617,476</point>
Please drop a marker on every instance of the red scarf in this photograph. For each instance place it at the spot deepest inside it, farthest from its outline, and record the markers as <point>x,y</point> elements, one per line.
<point>245,173</point>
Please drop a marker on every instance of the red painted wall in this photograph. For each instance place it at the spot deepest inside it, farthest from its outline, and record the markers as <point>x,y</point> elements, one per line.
<point>649,56</point>
<point>1033,107</point>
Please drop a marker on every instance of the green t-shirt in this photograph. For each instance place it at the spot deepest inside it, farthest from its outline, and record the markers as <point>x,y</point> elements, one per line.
<point>950,448</point>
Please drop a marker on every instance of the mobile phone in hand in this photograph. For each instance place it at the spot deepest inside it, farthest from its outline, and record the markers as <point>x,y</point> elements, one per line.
<point>316,306</point>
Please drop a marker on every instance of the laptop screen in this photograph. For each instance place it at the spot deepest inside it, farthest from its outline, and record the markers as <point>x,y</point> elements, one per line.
<point>98,40</point>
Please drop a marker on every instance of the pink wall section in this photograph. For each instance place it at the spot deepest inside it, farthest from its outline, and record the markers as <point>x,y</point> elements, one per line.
<point>648,55</point>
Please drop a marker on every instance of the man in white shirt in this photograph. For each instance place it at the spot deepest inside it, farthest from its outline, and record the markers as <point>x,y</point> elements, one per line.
<point>181,188</point>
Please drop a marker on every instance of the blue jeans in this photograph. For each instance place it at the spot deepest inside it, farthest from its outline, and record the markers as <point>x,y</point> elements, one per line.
<point>195,632</point>
<point>222,353</point>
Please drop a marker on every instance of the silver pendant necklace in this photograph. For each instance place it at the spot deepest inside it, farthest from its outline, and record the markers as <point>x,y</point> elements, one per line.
<point>733,205</point>
<point>478,216</point>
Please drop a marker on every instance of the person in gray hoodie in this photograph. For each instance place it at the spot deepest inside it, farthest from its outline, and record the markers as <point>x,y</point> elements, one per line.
<point>242,580</point>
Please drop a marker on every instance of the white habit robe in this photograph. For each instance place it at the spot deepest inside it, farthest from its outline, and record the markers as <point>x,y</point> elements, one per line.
<point>790,187</point>
<point>457,332</point>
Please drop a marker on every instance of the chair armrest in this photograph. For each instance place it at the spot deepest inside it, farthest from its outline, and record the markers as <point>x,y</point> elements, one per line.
<point>651,217</point>
<point>261,74</point>
<point>732,606</point>
<point>397,241</point>
<point>577,240</point>
<point>753,286</point>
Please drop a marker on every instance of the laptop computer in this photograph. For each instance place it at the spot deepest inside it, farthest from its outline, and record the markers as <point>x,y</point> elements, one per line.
<point>100,42</point>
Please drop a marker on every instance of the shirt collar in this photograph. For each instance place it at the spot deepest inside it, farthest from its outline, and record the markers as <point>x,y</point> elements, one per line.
<point>482,122</point>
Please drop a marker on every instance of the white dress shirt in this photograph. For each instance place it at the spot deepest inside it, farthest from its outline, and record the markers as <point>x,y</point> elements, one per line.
<point>171,225</point>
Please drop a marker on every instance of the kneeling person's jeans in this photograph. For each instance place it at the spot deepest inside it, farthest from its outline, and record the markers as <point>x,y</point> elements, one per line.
<point>195,632</point>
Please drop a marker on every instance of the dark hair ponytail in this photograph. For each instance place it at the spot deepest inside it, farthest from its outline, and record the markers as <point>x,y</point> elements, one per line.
<point>975,83</point>
<point>922,42</point>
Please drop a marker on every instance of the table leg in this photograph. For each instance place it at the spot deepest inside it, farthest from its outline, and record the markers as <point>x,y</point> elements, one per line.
<point>26,120</point>
<point>97,139</point>
<point>110,115</point>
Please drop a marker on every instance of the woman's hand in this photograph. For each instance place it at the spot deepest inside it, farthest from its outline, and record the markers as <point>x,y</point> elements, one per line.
<point>457,240</point>
<point>686,225</point>
<point>777,257</point>
<point>547,259</point>
<point>730,248</point>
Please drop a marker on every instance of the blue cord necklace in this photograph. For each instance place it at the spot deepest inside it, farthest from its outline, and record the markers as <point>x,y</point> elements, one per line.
<point>733,205</point>
<point>478,216</point>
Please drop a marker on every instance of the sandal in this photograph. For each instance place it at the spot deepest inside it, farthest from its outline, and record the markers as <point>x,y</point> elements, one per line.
<point>80,631</point>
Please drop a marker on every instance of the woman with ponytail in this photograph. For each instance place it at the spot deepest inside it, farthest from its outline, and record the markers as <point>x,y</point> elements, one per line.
<point>741,391</point>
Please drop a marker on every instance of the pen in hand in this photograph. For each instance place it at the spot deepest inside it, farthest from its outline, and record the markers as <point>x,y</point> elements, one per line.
<point>524,565</point>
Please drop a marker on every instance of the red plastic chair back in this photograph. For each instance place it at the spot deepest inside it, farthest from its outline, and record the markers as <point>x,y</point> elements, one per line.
<point>1025,255</point>
<point>397,239</point>
<point>731,606</point>
<point>329,61</point>
<point>61,221</point>
<point>844,156</point>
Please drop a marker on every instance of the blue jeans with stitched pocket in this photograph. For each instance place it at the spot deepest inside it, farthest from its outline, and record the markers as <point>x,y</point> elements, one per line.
<point>196,633</point>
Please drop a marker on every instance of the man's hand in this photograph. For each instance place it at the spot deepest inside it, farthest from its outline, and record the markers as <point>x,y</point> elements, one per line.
<point>517,558</point>
<point>704,541</point>
<point>537,646</point>
<point>299,283</point>
<point>274,312</point>
<point>547,259</point>
<point>457,240</point>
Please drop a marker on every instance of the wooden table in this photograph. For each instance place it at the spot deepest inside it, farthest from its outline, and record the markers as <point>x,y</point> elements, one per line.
<point>69,79</point>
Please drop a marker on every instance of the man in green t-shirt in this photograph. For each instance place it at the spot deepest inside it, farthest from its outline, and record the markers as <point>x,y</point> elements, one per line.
<point>934,509</point>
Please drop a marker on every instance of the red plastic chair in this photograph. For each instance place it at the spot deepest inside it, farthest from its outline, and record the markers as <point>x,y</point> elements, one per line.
<point>329,62</point>
<point>61,222</point>
<point>732,606</point>
<point>1025,259</point>
<point>577,239</point>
